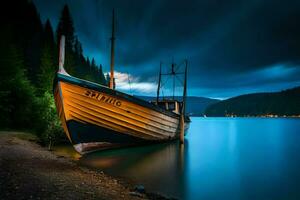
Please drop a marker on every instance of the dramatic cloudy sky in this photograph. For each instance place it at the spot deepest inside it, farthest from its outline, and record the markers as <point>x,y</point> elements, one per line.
<point>233,47</point>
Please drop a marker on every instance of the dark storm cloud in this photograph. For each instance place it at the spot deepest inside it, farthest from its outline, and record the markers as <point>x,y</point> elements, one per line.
<point>233,47</point>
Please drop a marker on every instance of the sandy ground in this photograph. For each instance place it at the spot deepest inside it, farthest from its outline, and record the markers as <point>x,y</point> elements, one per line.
<point>28,171</point>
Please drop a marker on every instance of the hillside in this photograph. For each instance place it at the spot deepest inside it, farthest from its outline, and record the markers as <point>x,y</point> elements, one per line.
<point>195,105</point>
<point>284,103</point>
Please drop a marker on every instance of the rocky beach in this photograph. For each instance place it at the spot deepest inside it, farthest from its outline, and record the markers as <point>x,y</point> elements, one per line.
<point>29,171</point>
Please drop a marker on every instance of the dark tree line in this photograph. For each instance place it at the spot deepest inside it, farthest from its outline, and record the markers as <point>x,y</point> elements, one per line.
<point>284,103</point>
<point>29,59</point>
<point>75,63</point>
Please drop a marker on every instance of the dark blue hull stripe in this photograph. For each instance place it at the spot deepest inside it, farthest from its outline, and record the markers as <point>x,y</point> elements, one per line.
<point>86,133</point>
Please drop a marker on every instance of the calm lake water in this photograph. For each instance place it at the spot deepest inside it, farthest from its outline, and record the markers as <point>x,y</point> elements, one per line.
<point>223,158</point>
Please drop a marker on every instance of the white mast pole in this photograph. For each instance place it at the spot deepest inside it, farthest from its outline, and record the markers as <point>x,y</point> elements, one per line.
<point>61,69</point>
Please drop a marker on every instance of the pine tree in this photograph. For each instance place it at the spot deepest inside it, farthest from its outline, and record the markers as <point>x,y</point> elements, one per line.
<point>65,27</point>
<point>49,44</point>
<point>47,71</point>
<point>93,64</point>
<point>17,94</point>
<point>88,63</point>
<point>32,40</point>
<point>101,76</point>
<point>94,71</point>
<point>75,63</point>
<point>78,48</point>
<point>48,36</point>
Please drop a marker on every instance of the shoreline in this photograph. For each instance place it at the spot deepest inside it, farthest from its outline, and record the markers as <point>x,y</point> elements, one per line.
<point>29,171</point>
<point>250,116</point>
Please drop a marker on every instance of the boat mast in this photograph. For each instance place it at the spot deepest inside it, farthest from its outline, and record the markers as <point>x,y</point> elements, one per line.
<point>112,53</point>
<point>158,87</point>
<point>173,74</point>
<point>182,115</point>
<point>185,85</point>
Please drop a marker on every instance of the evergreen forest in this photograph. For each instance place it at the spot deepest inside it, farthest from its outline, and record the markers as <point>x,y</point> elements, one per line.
<point>28,62</point>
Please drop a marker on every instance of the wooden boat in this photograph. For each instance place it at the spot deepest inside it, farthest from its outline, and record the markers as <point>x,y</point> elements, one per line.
<point>96,117</point>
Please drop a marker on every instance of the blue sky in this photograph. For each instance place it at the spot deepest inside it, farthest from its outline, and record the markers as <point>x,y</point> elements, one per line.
<point>233,47</point>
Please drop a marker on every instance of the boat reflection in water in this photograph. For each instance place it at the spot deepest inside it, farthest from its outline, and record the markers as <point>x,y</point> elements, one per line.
<point>158,167</point>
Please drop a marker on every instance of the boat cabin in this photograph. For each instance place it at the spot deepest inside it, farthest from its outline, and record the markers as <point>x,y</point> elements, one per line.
<point>171,105</point>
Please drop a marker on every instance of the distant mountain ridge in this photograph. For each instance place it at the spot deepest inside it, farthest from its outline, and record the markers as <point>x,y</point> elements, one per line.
<point>195,105</point>
<point>284,103</point>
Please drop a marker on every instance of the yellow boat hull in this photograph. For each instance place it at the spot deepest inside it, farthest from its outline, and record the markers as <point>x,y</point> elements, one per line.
<point>95,117</point>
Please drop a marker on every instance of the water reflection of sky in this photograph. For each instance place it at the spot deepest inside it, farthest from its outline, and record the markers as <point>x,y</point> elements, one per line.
<point>223,158</point>
<point>242,158</point>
